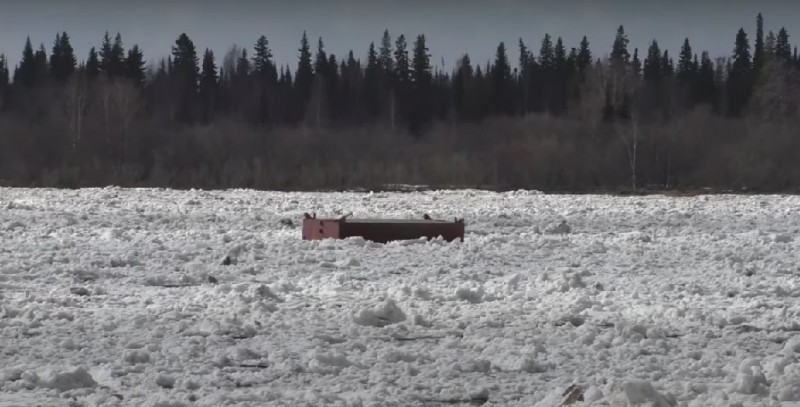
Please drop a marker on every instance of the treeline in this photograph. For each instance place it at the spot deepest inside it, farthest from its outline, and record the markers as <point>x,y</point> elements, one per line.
<point>557,118</point>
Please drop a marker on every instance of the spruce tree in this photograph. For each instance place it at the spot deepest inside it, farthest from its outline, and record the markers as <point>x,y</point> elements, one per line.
<point>386,57</point>
<point>186,72</point>
<point>560,78</point>
<point>4,75</point>
<point>783,50</point>
<point>652,64</point>
<point>759,52</point>
<point>26,72</point>
<point>321,59</point>
<point>42,68</point>
<point>263,66</point>
<point>584,55</point>
<point>209,86</point>
<point>304,75</point>
<point>636,64</point>
<point>501,84</point>
<point>685,63</point>
<point>706,82</point>
<point>422,83</point>
<point>619,51</point>
<point>740,75</point>
<point>770,44</point>
<point>135,66</point>
<point>462,81</point>
<point>372,83</point>
<point>92,64</point>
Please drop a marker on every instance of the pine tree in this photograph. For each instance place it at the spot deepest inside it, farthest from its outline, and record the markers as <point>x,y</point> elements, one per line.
<point>26,72</point>
<point>42,68</point>
<point>783,50</point>
<point>422,83</point>
<point>135,66</point>
<point>546,54</point>
<point>386,57</point>
<point>619,52</point>
<point>652,64</point>
<point>525,67</point>
<point>263,66</point>
<point>186,72</point>
<point>759,52</point>
<point>112,56</point>
<point>321,59</point>
<point>584,55</point>
<point>92,64</point>
<point>62,58</point>
<point>462,81</point>
<point>304,75</point>
<point>706,82</point>
<point>4,76</point>
<point>685,63</point>
<point>667,66</point>
<point>770,45</point>
<point>501,82</point>
<point>402,69</point>
<point>636,64</point>
<point>209,86</point>
<point>740,75</point>
<point>561,78</point>
<point>372,83</point>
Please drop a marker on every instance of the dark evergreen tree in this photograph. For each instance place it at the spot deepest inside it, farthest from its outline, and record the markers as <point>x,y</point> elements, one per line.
<point>402,67</point>
<point>667,65</point>
<point>685,64</point>
<point>652,64</point>
<point>561,77</point>
<point>303,79</point>
<point>462,81</point>
<point>112,56</point>
<point>62,58</point>
<point>502,85</point>
<point>266,80</point>
<point>422,77</point>
<point>401,88</point>
<point>759,51</point>
<point>636,64</point>
<point>619,51</point>
<point>5,79</point>
<point>770,45</point>
<point>386,56</point>
<point>42,68</point>
<point>92,64</point>
<point>783,50</point>
<point>185,71</point>
<point>135,69</point>
<point>26,70</point>
<point>706,82</point>
<point>525,67</point>
<point>372,83</point>
<point>740,76</point>
<point>209,86</point>
<point>584,55</point>
<point>546,73</point>
<point>263,66</point>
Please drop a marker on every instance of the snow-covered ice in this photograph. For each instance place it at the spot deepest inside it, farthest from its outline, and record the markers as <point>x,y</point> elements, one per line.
<point>123,297</point>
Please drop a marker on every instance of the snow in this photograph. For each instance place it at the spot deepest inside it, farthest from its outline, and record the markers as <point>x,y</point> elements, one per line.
<point>152,297</point>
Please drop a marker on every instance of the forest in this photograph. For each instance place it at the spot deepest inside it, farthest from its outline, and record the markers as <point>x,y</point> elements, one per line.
<point>541,115</point>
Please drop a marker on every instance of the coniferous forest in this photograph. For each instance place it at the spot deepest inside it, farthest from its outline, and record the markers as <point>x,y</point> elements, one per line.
<point>543,114</point>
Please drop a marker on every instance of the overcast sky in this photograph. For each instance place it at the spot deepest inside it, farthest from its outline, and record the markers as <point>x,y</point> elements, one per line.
<point>451,27</point>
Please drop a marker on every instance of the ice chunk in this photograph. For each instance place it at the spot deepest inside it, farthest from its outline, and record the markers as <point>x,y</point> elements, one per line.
<point>387,314</point>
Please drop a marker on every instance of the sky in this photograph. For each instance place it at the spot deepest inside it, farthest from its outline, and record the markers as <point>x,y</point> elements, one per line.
<point>451,27</point>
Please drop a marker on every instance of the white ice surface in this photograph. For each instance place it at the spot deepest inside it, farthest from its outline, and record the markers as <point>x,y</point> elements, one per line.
<point>106,299</point>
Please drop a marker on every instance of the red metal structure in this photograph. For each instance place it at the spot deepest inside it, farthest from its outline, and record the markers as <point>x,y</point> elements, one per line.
<point>382,230</point>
